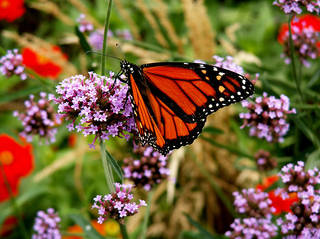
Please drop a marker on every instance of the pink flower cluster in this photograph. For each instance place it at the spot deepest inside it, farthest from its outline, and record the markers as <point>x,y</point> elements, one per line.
<point>11,64</point>
<point>84,24</point>
<point>147,168</point>
<point>47,225</point>
<point>99,103</point>
<point>117,205</point>
<point>39,119</point>
<point>265,161</point>
<point>267,117</point>
<point>294,6</point>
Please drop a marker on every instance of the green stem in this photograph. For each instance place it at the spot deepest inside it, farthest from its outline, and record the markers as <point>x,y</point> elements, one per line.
<point>293,63</point>
<point>14,203</point>
<point>105,38</point>
<point>146,216</point>
<point>107,167</point>
<point>124,232</point>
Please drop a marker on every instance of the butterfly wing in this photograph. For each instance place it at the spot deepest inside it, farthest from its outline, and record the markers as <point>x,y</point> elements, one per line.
<point>192,90</point>
<point>171,100</point>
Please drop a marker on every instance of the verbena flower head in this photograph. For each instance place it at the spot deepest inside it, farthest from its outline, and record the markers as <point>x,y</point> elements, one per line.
<point>125,34</point>
<point>303,221</point>
<point>305,36</point>
<point>253,203</point>
<point>117,205</point>
<point>47,225</point>
<point>228,63</point>
<point>265,161</point>
<point>11,64</point>
<point>96,38</point>
<point>295,6</point>
<point>267,117</point>
<point>39,119</point>
<point>96,105</point>
<point>147,168</point>
<point>252,228</point>
<point>84,24</point>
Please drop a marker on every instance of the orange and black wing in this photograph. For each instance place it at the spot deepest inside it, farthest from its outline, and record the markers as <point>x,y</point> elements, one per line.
<point>172,100</point>
<point>157,124</point>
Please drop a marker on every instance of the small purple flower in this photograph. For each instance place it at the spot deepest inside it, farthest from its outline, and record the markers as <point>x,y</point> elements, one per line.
<point>252,228</point>
<point>294,6</point>
<point>115,206</point>
<point>96,105</point>
<point>271,122</point>
<point>39,118</point>
<point>125,34</point>
<point>305,42</point>
<point>84,24</point>
<point>11,64</point>
<point>228,63</point>
<point>148,170</point>
<point>264,160</point>
<point>253,203</point>
<point>47,225</point>
<point>96,39</point>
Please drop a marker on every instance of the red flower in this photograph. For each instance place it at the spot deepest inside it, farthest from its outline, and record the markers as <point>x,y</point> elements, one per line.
<point>16,161</point>
<point>42,65</point>
<point>8,226</point>
<point>297,24</point>
<point>281,205</point>
<point>10,10</point>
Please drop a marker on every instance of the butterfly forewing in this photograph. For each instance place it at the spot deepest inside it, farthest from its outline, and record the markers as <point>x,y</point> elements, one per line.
<point>172,99</point>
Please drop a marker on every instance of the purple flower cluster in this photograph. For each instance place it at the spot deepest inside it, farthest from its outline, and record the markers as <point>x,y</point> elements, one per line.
<point>253,203</point>
<point>39,118</point>
<point>305,42</point>
<point>117,205</point>
<point>47,225</point>
<point>96,39</point>
<point>11,64</point>
<point>294,6</point>
<point>252,228</point>
<point>84,24</point>
<point>99,103</point>
<point>147,169</point>
<point>264,160</point>
<point>304,219</point>
<point>267,117</point>
<point>228,63</point>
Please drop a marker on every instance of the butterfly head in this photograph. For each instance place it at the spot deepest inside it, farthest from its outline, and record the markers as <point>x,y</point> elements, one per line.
<point>126,67</point>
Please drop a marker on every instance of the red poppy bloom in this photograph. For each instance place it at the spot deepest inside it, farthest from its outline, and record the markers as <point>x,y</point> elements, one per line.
<point>281,205</point>
<point>299,23</point>
<point>10,10</point>
<point>41,64</point>
<point>16,161</point>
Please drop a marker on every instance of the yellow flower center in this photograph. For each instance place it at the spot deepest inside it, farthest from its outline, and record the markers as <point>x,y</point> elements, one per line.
<point>4,4</point>
<point>6,157</point>
<point>42,59</point>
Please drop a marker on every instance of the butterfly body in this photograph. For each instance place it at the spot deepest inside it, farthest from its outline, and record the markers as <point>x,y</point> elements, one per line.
<point>171,100</point>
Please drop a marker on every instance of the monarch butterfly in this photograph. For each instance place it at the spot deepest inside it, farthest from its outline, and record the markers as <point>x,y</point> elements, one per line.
<point>171,100</point>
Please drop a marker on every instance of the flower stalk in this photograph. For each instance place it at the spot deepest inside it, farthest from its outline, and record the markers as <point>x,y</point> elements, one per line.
<point>107,168</point>
<point>105,38</point>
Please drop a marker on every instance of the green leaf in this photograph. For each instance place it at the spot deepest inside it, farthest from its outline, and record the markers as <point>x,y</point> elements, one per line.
<point>308,132</point>
<point>212,130</point>
<point>82,40</point>
<point>88,230</point>
<point>203,232</point>
<point>20,94</point>
<point>313,160</point>
<point>115,167</point>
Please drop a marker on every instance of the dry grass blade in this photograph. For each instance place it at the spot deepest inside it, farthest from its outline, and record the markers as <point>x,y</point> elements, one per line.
<point>153,23</point>
<point>161,10</point>
<point>126,16</point>
<point>200,31</point>
<point>52,8</point>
